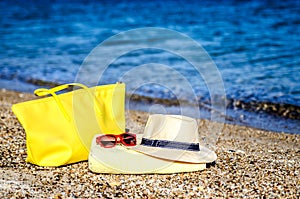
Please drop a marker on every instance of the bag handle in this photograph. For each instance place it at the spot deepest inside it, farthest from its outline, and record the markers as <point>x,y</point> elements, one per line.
<point>52,91</point>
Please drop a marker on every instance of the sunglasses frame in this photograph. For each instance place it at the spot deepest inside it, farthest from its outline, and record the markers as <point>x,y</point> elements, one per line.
<point>118,138</point>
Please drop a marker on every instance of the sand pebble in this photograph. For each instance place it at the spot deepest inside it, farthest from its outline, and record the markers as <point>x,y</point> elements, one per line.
<point>251,163</point>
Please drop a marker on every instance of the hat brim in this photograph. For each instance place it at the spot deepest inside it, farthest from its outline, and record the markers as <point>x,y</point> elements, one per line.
<point>203,156</point>
<point>120,159</point>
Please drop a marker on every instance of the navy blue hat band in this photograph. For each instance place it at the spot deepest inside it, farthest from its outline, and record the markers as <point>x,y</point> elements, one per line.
<point>170,144</point>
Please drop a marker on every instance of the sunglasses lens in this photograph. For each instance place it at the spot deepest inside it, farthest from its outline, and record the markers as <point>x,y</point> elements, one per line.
<point>128,139</point>
<point>106,141</point>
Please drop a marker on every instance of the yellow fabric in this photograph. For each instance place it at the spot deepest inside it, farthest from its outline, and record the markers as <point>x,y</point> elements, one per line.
<point>124,160</point>
<point>138,164</point>
<point>59,128</point>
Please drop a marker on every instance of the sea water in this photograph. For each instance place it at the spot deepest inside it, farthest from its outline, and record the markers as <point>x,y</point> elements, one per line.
<point>254,45</point>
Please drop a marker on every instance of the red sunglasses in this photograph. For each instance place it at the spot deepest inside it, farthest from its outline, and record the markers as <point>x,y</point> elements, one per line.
<point>110,140</point>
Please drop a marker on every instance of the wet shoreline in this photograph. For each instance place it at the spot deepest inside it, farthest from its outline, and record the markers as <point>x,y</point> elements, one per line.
<point>236,110</point>
<point>262,115</point>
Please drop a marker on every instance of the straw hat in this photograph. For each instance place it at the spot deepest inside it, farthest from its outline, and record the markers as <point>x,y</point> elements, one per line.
<point>174,137</point>
<point>121,159</point>
<point>177,150</point>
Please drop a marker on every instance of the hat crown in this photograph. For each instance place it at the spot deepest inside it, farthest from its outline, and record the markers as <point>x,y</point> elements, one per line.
<point>172,128</point>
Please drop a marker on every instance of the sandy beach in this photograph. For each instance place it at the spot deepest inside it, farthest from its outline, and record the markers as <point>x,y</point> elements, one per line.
<point>251,163</point>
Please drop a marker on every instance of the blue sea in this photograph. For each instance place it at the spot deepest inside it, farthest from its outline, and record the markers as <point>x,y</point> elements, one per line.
<point>254,46</point>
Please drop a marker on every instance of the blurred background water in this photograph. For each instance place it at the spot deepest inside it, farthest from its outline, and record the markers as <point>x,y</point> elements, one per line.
<point>255,45</point>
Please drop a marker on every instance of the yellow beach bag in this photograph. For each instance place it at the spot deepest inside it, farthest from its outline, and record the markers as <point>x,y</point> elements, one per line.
<point>59,128</point>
